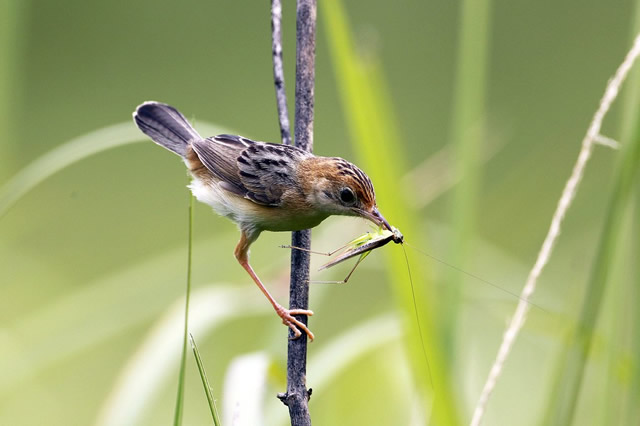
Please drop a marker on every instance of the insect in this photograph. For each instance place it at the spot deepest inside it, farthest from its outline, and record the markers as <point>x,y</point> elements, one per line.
<point>359,246</point>
<point>363,246</point>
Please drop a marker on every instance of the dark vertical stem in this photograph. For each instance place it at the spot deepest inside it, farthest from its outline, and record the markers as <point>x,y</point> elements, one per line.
<point>278,71</point>
<point>297,396</point>
<point>305,72</point>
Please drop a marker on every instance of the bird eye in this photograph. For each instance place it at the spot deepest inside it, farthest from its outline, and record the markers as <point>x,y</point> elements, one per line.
<point>347,196</point>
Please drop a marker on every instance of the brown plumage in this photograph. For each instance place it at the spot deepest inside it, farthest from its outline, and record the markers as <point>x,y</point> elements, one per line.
<point>262,186</point>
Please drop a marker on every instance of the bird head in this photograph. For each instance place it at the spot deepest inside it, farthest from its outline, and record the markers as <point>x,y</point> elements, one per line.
<point>339,187</point>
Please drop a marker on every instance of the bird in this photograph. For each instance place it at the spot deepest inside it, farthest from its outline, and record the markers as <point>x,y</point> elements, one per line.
<point>262,186</point>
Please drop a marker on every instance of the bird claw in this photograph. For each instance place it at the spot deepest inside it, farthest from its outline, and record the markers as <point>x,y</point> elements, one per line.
<point>294,324</point>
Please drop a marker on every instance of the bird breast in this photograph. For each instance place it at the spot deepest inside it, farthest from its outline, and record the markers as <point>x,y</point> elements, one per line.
<point>252,216</point>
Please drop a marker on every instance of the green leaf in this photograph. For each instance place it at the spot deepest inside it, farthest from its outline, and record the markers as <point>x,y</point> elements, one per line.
<point>379,146</point>
<point>205,383</point>
<point>177,419</point>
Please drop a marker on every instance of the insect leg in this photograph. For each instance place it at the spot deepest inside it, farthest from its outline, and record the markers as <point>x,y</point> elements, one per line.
<point>360,259</point>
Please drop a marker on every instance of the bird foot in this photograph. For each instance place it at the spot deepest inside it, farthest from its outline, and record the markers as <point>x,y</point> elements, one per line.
<point>294,324</point>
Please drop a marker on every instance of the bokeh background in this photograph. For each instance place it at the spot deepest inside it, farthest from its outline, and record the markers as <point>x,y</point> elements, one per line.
<point>93,258</point>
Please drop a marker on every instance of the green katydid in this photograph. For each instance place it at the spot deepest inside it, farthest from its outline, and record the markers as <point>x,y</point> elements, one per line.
<point>361,246</point>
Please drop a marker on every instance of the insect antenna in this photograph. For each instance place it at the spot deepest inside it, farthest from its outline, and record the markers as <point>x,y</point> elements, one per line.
<point>415,310</point>
<point>322,253</point>
<point>364,249</point>
<point>517,296</point>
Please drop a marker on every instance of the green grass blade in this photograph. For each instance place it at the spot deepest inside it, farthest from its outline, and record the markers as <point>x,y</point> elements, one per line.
<point>622,375</point>
<point>177,418</point>
<point>632,409</point>
<point>205,383</point>
<point>468,142</point>
<point>376,140</point>
<point>63,156</point>
<point>149,370</point>
<point>572,366</point>
<point>71,152</point>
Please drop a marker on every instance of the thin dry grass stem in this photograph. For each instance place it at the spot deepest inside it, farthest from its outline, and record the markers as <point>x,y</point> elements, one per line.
<point>608,142</point>
<point>591,138</point>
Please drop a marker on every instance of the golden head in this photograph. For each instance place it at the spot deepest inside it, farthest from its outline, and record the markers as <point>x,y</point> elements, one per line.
<point>336,186</point>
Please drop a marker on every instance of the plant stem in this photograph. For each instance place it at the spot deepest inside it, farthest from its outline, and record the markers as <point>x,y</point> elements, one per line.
<point>305,72</point>
<point>571,371</point>
<point>278,71</point>
<point>177,418</point>
<point>297,395</point>
<point>468,143</point>
<point>568,194</point>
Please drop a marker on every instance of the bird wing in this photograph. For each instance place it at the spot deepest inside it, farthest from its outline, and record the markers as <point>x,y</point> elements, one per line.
<point>268,169</point>
<point>218,154</point>
<point>258,171</point>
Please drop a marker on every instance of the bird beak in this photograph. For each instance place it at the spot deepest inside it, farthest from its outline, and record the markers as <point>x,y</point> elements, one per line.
<point>376,217</point>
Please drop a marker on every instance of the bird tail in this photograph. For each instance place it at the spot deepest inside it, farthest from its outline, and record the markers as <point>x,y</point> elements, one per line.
<point>165,126</point>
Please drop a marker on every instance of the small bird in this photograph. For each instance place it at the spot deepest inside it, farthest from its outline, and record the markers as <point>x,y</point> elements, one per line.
<point>262,186</point>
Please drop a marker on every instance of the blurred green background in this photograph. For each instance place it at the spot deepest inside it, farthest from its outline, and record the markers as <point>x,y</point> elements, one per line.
<point>93,260</point>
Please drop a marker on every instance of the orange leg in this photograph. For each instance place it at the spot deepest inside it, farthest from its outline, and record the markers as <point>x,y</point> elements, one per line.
<point>241,253</point>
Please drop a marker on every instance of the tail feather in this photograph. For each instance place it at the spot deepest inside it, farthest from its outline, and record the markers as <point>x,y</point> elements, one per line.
<point>165,126</point>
